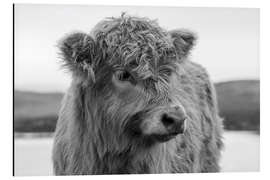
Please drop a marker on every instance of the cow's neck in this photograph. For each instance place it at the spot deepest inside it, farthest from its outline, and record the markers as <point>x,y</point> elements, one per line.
<point>143,161</point>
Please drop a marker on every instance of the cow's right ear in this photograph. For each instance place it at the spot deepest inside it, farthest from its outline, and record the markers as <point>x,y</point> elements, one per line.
<point>183,40</point>
<point>78,51</point>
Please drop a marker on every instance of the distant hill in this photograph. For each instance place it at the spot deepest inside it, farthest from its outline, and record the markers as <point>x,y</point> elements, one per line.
<point>32,104</point>
<point>36,112</point>
<point>239,103</point>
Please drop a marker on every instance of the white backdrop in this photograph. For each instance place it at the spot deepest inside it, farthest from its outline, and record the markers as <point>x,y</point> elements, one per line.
<point>228,44</point>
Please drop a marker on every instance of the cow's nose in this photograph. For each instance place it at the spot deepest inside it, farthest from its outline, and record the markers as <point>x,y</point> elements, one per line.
<point>174,121</point>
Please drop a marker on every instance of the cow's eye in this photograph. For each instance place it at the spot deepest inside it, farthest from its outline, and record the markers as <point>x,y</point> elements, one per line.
<point>124,75</point>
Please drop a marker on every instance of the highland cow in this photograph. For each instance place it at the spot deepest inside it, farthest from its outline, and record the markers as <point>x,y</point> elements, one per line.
<point>136,104</point>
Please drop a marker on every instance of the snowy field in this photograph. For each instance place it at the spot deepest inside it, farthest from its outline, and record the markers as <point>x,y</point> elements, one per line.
<point>241,154</point>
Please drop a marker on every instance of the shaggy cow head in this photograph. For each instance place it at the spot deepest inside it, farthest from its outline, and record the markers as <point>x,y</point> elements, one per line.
<point>127,70</point>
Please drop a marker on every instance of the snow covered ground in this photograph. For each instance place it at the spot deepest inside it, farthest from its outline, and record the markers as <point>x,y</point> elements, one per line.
<point>241,154</point>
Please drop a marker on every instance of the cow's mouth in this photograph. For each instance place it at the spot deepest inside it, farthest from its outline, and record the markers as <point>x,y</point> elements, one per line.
<point>162,137</point>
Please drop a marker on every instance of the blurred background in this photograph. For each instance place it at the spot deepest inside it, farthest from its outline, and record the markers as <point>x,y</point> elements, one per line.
<point>228,47</point>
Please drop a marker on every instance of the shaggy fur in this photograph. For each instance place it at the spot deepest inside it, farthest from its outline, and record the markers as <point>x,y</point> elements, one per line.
<point>108,119</point>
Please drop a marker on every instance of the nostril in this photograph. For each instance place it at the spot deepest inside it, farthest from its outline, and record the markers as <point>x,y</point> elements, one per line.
<point>176,108</point>
<point>167,120</point>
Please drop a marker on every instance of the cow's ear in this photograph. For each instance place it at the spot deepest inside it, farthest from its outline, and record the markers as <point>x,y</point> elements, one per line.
<point>183,40</point>
<point>78,51</point>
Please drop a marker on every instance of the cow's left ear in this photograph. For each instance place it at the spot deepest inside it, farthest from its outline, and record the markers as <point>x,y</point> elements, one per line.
<point>78,51</point>
<point>183,40</point>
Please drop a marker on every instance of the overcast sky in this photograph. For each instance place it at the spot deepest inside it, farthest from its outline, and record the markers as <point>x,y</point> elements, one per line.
<point>228,44</point>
